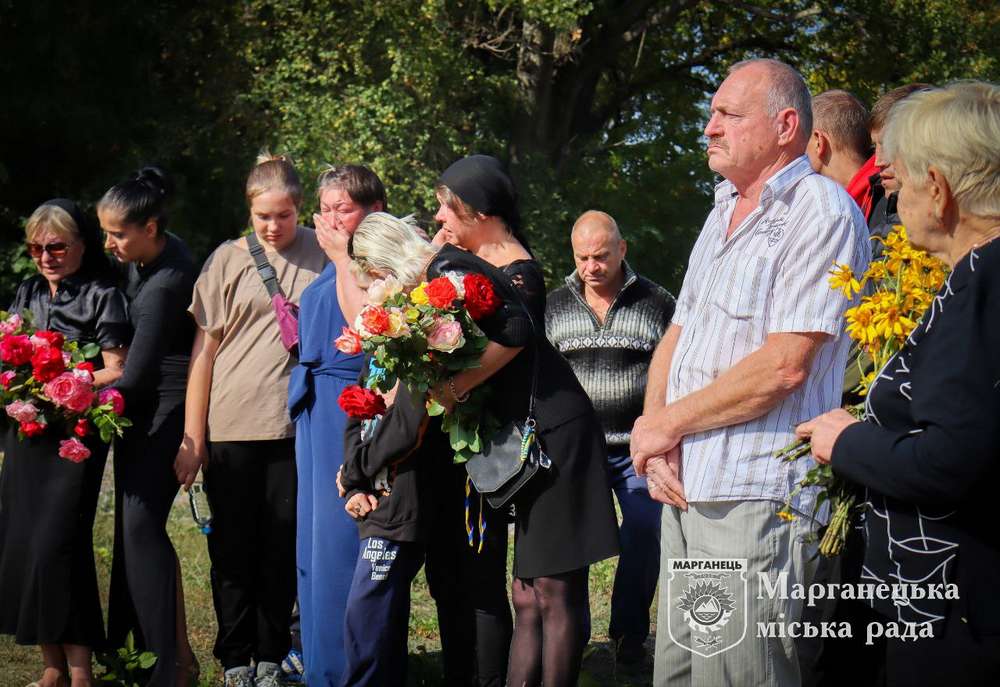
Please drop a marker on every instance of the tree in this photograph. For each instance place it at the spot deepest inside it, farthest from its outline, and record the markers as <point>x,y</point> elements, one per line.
<point>593,103</point>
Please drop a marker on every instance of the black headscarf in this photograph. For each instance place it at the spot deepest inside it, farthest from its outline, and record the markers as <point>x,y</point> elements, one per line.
<point>95,264</point>
<point>484,185</point>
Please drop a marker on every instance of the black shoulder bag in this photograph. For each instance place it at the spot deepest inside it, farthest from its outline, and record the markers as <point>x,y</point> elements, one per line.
<point>512,457</point>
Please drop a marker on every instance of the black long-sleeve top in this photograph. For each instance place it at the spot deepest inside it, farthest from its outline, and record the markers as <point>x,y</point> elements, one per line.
<point>929,454</point>
<point>159,293</point>
<point>558,396</point>
<point>396,445</point>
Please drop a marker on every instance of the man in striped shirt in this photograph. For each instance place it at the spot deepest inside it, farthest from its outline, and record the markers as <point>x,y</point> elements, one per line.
<point>755,347</point>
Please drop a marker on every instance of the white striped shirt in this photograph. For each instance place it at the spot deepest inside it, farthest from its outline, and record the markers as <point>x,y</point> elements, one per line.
<point>770,276</point>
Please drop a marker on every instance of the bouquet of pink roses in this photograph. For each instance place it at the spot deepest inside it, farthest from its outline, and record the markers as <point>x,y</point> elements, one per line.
<point>46,381</point>
<point>422,338</point>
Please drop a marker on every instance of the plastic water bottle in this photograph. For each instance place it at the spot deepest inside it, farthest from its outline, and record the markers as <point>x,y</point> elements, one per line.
<point>200,510</point>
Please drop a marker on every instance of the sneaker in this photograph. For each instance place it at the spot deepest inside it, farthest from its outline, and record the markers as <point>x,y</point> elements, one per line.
<point>269,675</point>
<point>239,677</point>
<point>292,666</point>
<point>630,651</point>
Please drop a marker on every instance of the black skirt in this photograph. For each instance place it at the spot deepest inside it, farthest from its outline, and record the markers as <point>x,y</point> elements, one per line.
<point>48,580</point>
<point>565,518</point>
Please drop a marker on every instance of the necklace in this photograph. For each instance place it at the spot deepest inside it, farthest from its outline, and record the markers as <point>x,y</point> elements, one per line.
<point>989,239</point>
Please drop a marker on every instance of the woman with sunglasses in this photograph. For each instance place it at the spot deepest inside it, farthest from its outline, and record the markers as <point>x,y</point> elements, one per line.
<point>48,580</point>
<point>146,596</point>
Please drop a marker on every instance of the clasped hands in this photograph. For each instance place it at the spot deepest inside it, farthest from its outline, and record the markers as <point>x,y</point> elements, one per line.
<point>656,453</point>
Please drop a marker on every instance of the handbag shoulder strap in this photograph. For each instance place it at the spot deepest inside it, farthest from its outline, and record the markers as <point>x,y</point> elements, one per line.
<point>534,343</point>
<point>264,268</point>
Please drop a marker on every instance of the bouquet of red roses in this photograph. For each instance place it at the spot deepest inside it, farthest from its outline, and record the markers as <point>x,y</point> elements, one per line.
<point>46,381</point>
<point>422,338</point>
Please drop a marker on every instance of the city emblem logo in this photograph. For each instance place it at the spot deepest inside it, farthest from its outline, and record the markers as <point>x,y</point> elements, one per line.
<point>710,595</point>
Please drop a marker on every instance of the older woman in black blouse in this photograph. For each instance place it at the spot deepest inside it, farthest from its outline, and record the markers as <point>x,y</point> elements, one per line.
<point>928,451</point>
<point>48,581</point>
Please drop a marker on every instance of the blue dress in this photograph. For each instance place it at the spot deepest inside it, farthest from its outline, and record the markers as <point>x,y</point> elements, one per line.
<point>327,539</point>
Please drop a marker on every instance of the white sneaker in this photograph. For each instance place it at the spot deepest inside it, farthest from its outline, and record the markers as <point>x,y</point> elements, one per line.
<point>269,675</point>
<point>239,677</point>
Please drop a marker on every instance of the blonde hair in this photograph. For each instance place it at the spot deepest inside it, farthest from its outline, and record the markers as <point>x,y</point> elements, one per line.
<point>957,130</point>
<point>390,245</point>
<point>51,218</point>
<point>274,173</point>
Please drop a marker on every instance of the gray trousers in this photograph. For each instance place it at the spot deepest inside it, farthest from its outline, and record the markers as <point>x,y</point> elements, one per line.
<point>747,530</point>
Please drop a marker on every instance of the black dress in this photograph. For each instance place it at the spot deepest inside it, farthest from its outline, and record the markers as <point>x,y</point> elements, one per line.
<point>48,581</point>
<point>143,574</point>
<point>929,455</point>
<point>565,518</point>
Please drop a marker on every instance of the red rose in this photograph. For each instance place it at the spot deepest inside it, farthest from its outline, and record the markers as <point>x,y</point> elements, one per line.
<point>374,320</point>
<point>480,298</point>
<point>54,339</point>
<point>47,364</point>
<point>32,429</point>
<point>441,292</point>
<point>6,377</point>
<point>112,396</point>
<point>361,403</point>
<point>16,350</point>
<point>86,365</point>
<point>82,428</point>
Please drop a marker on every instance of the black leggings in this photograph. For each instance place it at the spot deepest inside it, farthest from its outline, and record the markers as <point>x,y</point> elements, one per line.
<point>551,629</point>
<point>143,597</point>
<point>251,488</point>
<point>469,588</point>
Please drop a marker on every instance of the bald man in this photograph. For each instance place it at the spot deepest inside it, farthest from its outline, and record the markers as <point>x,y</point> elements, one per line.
<point>606,321</point>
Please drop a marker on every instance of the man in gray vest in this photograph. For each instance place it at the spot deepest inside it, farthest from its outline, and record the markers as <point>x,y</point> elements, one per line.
<point>606,321</point>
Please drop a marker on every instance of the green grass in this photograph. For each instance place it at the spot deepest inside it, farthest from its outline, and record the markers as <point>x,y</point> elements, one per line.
<point>21,665</point>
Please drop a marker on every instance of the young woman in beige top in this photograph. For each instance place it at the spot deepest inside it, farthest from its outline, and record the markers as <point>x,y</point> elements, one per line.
<point>237,425</point>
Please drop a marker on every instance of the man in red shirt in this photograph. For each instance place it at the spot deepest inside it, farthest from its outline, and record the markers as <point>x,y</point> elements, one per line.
<point>840,147</point>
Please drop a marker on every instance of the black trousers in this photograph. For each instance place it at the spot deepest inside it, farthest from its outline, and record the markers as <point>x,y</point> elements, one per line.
<point>143,598</point>
<point>251,489</point>
<point>469,588</point>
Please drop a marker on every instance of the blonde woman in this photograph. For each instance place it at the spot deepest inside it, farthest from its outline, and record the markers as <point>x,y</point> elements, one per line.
<point>927,451</point>
<point>237,426</point>
<point>564,518</point>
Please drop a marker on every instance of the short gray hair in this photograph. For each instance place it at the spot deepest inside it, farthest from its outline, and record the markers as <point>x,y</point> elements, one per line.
<point>390,245</point>
<point>957,130</point>
<point>787,89</point>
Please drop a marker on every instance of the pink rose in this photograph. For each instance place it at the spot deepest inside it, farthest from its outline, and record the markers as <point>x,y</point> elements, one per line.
<point>84,374</point>
<point>70,392</point>
<point>348,342</point>
<point>445,335</point>
<point>73,450</point>
<point>10,325</point>
<point>114,397</point>
<point>22,411</point>
<point>6,378</point>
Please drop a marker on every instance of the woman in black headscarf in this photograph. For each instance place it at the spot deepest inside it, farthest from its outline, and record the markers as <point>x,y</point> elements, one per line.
<point>48,581</point>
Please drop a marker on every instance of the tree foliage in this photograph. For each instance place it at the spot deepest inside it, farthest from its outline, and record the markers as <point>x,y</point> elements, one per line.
<point>593,103</point>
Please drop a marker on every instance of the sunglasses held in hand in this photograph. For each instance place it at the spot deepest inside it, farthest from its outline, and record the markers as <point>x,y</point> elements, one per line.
<point>56,249</point>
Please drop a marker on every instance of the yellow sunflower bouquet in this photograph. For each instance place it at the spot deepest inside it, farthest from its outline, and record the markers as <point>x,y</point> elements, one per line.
<point>898,286</point>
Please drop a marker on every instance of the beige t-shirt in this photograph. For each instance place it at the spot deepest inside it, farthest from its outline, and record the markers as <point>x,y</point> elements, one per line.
<point>250,377</point>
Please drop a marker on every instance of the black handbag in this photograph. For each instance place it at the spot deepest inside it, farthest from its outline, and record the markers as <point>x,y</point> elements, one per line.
<point>512,456</point>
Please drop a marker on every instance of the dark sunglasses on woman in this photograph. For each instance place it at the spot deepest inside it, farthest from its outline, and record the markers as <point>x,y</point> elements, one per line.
<point>56,249</point>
